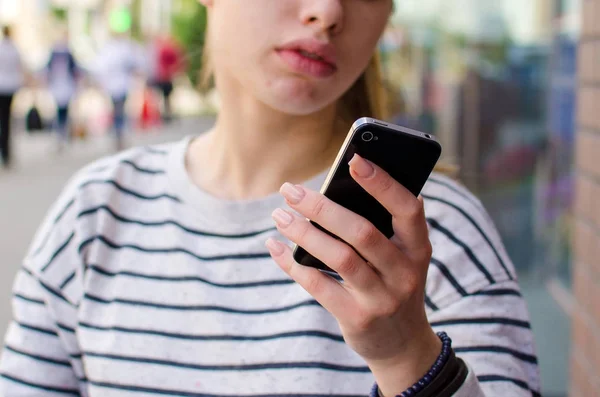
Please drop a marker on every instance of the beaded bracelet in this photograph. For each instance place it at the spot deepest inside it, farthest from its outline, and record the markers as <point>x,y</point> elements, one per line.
<point>433,372</point>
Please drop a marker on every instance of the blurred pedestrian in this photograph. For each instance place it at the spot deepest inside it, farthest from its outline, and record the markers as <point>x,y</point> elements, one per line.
<point>166,62</point>
<point>11,80</point>
<point>115,68</point>
<point>62,73</point>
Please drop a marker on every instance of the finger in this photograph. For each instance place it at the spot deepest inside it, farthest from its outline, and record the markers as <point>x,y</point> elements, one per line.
<point>407,210</point>
<point>334,253</point>
<point>354,229</point>
<point>325,289</point>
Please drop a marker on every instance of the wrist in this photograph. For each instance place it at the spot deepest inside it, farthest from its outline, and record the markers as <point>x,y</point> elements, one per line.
<point>396,375</point>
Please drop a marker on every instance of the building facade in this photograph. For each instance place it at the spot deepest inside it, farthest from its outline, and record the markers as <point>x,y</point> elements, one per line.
<point>585,357</point>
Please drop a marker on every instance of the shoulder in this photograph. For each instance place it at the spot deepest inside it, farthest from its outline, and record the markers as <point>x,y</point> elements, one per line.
<point>143,168</point>
<point>468,253</point>
<point>130,182</point>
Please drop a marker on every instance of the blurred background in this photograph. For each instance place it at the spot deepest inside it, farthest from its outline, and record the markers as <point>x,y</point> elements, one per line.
<point>511,88</point>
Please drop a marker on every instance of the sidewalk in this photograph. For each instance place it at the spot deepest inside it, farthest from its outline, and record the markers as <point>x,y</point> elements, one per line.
<point>31,151</point>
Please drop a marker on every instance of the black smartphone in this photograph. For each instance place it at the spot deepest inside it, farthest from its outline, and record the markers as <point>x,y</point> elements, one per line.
<point>409,156</point>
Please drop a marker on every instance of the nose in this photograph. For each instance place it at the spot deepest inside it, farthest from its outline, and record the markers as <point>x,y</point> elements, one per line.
<point>325,15</point>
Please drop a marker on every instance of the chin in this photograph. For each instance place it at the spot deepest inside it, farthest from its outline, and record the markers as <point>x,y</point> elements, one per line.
<point>299,98</point>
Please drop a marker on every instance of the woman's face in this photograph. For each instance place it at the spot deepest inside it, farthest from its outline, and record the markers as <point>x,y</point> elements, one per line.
<point>297,56</point>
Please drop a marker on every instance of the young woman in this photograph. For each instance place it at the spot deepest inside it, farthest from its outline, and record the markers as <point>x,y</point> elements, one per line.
<point>150,274</point>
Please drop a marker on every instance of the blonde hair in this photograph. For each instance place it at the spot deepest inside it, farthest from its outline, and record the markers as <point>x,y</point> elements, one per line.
<point>367,97</point>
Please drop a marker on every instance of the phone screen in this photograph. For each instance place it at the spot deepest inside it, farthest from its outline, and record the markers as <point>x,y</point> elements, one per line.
<point>408,156</point>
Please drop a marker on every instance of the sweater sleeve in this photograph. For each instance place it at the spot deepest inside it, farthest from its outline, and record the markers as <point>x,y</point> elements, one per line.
<point>491,333</point>
<point>473,294</point>
<point>40,355</point>
<point>35,360</point>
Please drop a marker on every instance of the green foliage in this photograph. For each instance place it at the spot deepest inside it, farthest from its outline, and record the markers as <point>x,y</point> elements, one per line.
<point>136,23</point>
<point>59,13</point>
<point>189,28</point>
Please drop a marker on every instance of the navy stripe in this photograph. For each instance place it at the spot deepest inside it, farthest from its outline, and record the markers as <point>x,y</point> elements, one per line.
<point>179,279</point>
<point>165,392</point>
<point>462,194</point>
<point>481,232</point>
<point>153,150</point>
<point>58,251</point>
<point>64,390</point>
<point>430,304</point>
<point>55,293</point>
<point>116,246</point>
<point>142,170</point>
<point>217,338</point>
<point>48,360</point>
<point>241,367</point>
<point>499,378</point>
<point>28,299</point>
<point>63,212</point>
<point>483,320</point>
<point>56,220</point>
<point>498,349</point>
<point>127,162</point>
<point>448,275</point>
<point>129,191</point>
<point>29,272</point>
<point>123,219</point>
<point>37,329</point>
<point>499,292</point>
<point>46,287</point>
<point>211,308</point>
<point>38,301</point>
<point>436,225</point>
<point>67,280</point>
<point>65,328</point>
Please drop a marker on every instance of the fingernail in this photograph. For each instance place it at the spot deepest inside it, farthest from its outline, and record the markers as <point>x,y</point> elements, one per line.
<point>361,167</point>
<point>293,194</point>
<point>274,246</point>
<point>282,218</point>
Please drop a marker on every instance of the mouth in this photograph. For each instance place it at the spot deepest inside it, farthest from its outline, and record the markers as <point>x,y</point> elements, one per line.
<point>310,57</point>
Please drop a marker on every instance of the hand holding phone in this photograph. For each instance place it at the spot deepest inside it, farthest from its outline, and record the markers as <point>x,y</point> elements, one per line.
<point>408,156</point>
<point>370,228</point>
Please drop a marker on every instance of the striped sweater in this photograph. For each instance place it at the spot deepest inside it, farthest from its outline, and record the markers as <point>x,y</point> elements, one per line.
<point>140,284</point>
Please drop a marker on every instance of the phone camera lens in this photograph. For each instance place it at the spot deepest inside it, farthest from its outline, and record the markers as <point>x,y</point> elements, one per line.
<point>367,136</point>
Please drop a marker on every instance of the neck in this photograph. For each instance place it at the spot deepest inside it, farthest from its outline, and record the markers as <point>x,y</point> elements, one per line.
<point>254,149</point>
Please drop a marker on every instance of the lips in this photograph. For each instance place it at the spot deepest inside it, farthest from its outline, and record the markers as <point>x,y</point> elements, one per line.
<point>310,57</point>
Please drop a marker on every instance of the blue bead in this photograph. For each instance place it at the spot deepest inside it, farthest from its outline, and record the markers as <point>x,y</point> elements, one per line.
<point>435,368</point>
